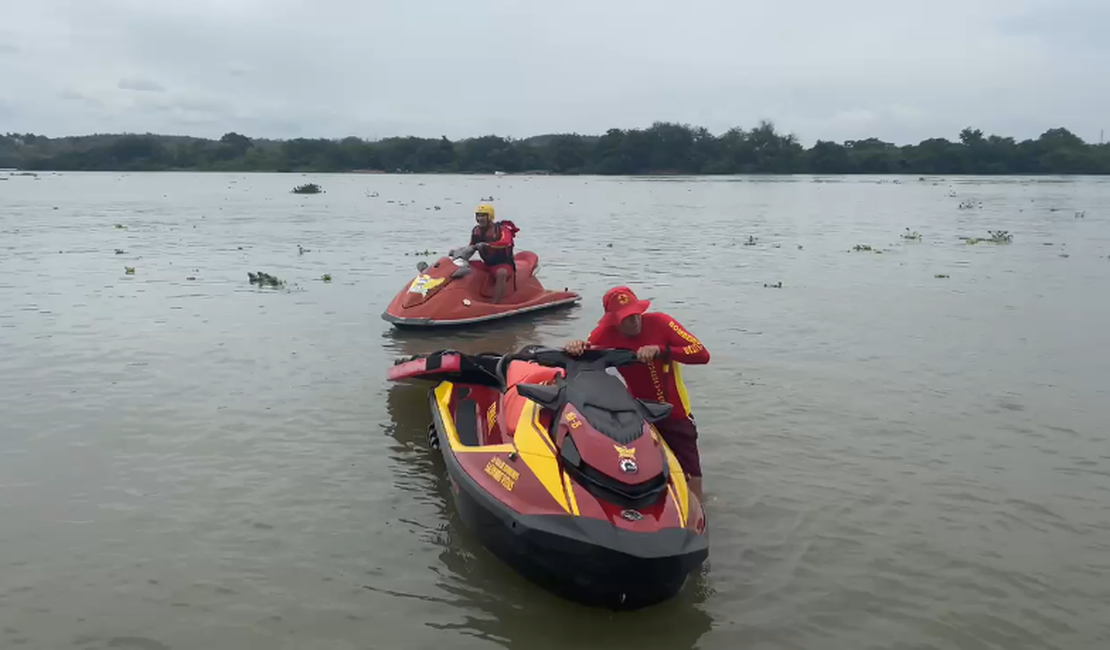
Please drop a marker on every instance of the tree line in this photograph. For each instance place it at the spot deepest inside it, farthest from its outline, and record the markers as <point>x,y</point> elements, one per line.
<point>663,148</point>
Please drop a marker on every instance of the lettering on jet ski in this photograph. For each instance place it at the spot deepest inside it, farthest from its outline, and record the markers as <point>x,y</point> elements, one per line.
<point>424,283</point>
<point>491,415</point>
<point>502,473</point>
<point>573,420</point>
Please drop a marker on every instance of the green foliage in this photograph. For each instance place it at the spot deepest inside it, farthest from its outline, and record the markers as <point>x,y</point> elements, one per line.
<point>307,188</point>
<point>662,148</point>
<point>265,279</point>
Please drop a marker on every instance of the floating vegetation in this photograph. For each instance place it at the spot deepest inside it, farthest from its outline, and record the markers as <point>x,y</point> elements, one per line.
<point>996,237</point>
<point>1078,215</point>
<point>970,205</point>
<point>373,195</point>
<point>859,248</point>
<point>488,198</point>
<point>190,277</point>
<point>120,226</point>
<point>941,276</point>
<point>911,236</point>
<point>120,251</point>
<point>307,188</point>
<point>419,253</point>
<point>327,277</point>
<point>129,270</point>
<point>265,279</point>
<point>776,285</point>
<point>301,250</point>
<point>751,241</point>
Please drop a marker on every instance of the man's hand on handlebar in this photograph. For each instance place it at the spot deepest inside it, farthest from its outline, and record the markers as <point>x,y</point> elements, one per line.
<point>647,353</point>
<point>576,348</point>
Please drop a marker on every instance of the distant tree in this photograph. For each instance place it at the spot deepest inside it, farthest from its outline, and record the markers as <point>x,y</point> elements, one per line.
<point>662,147</point>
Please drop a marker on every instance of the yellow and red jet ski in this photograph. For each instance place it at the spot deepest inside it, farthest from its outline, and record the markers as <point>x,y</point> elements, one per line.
<point>559,471</point>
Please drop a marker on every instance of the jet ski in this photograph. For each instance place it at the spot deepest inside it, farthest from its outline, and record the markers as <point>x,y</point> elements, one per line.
<point>451,292</point>
<point>561,474</point>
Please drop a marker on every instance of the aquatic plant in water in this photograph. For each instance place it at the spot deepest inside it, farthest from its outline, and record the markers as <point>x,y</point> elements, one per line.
<point>861,248</point>
<point>307,188</point>
<point>996,237</point>
<point>911,236</point>
<point>265,279</point>
<point>327,277</point>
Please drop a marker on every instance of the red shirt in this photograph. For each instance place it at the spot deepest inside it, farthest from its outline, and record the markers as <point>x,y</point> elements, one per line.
<point>660,380</point>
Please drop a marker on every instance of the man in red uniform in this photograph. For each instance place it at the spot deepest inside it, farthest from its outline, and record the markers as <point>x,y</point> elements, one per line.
<point>494,242</point>
<point>661,343</point>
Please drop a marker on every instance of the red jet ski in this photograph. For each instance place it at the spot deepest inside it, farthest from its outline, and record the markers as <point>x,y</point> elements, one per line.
<point>452,292</point>
<point>559,472</point>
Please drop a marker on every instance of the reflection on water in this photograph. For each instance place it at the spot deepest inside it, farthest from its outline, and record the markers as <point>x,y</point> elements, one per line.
<point>500,338</point>
<point>893,459</point>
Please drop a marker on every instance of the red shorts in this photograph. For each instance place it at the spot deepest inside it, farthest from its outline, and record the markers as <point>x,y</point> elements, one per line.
<point>492,270</point>
<point>681,435</point>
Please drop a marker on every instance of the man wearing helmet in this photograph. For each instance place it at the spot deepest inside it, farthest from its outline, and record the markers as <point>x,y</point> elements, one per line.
<point>494,242</point>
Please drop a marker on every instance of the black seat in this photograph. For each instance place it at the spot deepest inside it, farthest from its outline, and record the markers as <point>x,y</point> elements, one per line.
<point>466,422</point>
<point>607,405</point>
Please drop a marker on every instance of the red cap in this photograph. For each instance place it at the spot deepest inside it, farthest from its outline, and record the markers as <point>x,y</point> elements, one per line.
<point>619,304</point>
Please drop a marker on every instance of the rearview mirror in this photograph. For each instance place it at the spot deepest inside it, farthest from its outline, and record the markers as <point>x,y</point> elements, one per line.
<point>542,394</point>
<point>656,411</point>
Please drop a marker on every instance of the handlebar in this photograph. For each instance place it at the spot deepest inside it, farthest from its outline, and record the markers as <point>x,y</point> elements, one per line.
<point>558,358</point>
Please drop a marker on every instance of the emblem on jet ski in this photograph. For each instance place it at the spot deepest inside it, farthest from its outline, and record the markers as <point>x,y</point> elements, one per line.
<point>627,459</point>
<point>632,515</point>
<point>424,283</point>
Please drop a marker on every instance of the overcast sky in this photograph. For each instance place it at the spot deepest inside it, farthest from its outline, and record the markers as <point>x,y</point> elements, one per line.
<point>894,69</point>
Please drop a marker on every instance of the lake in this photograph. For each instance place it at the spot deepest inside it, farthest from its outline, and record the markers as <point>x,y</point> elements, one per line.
<point>893,459</point>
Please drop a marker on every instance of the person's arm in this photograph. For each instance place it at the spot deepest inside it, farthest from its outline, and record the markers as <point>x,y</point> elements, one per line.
<point>682,346</point>
<point>577,347</point>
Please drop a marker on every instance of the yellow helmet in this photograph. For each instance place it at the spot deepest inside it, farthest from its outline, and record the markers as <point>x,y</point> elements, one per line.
<point>485,208</point>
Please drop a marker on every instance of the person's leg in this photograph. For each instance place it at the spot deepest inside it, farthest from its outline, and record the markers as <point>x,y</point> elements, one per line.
<point>681,436</point>
<point>502,274</point>
<point>695,486</point>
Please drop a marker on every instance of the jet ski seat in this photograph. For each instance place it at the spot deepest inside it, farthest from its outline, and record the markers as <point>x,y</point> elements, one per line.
<point>523,372</point>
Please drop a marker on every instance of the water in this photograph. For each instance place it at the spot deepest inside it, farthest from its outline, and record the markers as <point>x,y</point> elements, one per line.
<point>893,460</point>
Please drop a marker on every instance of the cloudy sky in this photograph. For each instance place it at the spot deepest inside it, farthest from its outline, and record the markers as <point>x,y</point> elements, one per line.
<point>895,69</point>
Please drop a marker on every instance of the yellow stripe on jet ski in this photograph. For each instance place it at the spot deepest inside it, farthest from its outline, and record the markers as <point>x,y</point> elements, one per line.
<point>443,402</point>
<point>681,515</point>
<point>570,495</point>
<point>538,454</point>
<point>678,478</point>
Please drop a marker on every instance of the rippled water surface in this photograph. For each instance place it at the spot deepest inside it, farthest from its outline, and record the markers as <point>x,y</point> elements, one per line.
<point>893,460</point>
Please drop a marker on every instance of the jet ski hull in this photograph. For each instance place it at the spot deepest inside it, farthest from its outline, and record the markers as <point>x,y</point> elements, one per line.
<point>438,299</point>
<point>585,560</point>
